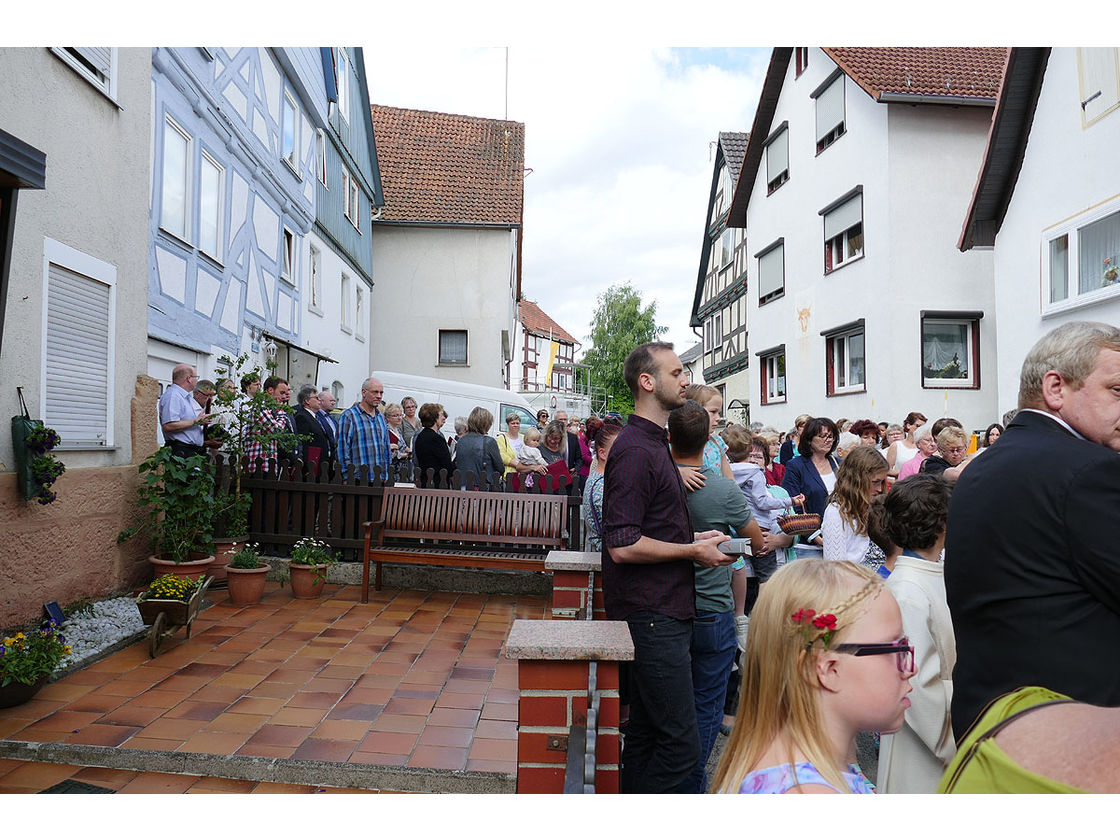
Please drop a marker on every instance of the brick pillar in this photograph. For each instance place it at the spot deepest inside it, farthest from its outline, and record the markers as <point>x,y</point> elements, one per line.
<point>553,664</point>
<point>570,577</point>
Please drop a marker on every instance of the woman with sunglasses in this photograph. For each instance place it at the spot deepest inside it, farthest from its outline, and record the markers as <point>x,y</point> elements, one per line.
<point>826,659</point>
<point>913,515</point>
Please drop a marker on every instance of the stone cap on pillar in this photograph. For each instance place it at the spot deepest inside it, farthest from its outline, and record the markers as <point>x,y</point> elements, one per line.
<point>574,561</point>
<point>570,640</point>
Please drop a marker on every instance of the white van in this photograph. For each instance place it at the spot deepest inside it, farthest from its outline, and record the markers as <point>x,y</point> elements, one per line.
<point>457,398</point>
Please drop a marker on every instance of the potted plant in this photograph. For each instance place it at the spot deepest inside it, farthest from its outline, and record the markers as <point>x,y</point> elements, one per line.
<point>176,496</point>
<point>245,576</point>
<point>27,662</point>
<point>307,569</point>
<point>36,467</point>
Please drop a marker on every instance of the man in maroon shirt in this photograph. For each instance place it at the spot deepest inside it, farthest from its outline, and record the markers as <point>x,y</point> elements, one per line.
<point>648,551</point>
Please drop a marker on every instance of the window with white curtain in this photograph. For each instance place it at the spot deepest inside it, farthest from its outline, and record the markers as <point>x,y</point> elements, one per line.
<point>773,380</point>
<point>1081,259</point>
<point>845,359</point>
<point>175,184</point>
<point>452,347</point>
<point>950,350</point>
<point>830,112</point>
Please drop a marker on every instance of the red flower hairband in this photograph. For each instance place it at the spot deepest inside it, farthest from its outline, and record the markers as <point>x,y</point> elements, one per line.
<point>811,625</point>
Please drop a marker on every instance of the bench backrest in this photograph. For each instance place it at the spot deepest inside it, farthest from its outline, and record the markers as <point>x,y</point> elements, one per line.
<point>508,518</point>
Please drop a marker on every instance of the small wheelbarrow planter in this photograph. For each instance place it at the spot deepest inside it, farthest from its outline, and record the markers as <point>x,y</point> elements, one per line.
<point>166,616</point>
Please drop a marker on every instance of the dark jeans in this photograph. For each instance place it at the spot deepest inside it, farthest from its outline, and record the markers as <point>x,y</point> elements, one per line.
<point>662,743</point>
<point>184,450</point>
<point>713,653</point>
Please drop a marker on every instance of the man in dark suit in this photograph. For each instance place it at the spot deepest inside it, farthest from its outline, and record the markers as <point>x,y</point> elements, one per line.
<point>306,423</point>
<point>1032,559</point>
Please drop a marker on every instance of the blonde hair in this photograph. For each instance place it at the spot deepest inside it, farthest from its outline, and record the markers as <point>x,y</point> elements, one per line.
<point>390,408</point>
<point>853,485</point>
<point>532,436</point>
<point>950,435</point>
<point>701,393</point>
<point>779,697</point>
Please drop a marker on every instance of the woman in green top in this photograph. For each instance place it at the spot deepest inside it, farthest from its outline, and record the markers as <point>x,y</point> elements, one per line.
<point>1034,740</point>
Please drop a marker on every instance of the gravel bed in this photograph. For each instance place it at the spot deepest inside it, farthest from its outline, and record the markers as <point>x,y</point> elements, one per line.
<point>109,622</point>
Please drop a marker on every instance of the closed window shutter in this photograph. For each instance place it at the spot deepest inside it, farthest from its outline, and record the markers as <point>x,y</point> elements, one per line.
<point>777,156</point>
<point>1099,79</point>
<point>843,217</point>
<point>830,107</point>
<point>771,271</point>
<point>77,358</point>
<point>100,57</point>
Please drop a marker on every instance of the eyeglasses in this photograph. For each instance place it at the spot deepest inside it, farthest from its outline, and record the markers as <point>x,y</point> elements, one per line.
<point>824,435</point>
<point>956,450</point>
<point>902,648</point>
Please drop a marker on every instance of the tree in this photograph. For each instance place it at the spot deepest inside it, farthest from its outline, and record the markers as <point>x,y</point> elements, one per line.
<point>620,324</point>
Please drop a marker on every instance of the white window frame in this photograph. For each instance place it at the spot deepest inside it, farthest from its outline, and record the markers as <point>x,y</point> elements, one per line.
<point>774,387</point>
<point>288,245</point>
<point>351,199</point>
<point>839,349</point>
<point>466,349</point>
<point>171,124</point>
<point>321,156</point>
<point>90,63</point>
<point>1098,82</point>
<point>726,248</point>
<point>289,110</point>
<point>315,280</point>
<point>344,286</point>
<point>219,210</point>
<point>971,351</point>
<point>342,82</point>
<point>98,271</point>
<point>1071,229</point>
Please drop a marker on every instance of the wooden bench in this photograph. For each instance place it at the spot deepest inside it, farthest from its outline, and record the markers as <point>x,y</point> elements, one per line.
<point>464,528</point>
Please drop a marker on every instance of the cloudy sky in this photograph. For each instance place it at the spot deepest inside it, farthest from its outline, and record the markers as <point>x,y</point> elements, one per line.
<point>620,150</point>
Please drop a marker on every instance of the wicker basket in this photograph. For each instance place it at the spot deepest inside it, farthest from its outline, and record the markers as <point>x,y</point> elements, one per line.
<point>799,524</point>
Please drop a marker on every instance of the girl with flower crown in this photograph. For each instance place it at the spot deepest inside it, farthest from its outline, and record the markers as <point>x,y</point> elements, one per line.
<point>826,658</point>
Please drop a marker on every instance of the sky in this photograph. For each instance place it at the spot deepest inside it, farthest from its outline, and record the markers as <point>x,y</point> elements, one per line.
<point>619,156</point>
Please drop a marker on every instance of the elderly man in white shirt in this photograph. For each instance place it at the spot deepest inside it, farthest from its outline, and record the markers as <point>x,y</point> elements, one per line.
<point>179,416</point>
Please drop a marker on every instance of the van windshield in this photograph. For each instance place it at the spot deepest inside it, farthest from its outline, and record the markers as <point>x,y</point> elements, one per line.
<point>527,419</point>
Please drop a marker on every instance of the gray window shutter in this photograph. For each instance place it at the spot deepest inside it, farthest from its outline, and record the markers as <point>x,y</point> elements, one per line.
<point>77,358</point>
<point>830,107</point>
<point>843,217</point>
<point>771,271</point>
<point>1100,85</point>
<point>777,156</point>
<point>99,57</point>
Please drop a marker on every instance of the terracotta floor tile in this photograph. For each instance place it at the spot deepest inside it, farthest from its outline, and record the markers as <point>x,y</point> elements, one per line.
<point>368,695</point>
<point>379,681</point>
<point>197,710</point>
<point>290,676</point>
<point>160,698</point>
<point>158,744</point>
<point>32,710</point>
<point>258,705</point>
<point>235,722</point>
<point>214,743</point>
<point>255,667</point>
<point>356,711</point>
<point>88,677</point>
<point>298,717</point>
<point>343,730</point>
<point>409,705</point>
<point>453,717</point>
<point>449,700</point>
<point>171,728</point>
<point>314,700</point>
<point>400,723</point>
<point>63,691</point>
<point>503,695</point>
<point>105,777</point>
<point>393,743</point>
<point>266,751</point>
<point>159,783</point>
<point>201,669</point>
<point>446,736</point>
<point>38,775</point>
<point>321,683</point>
<point>490,766</point>
<point>219,694</point>
<point>410,690</point>
<point>245,681</point>
<point>63,721</point>
<point>279,736</point>
<point>274,690</point>
<point>95,701</point>
<point>102,735</point>
<point>213,785</point>
<point>41,736</point>
<point>493,749</point>
<point>439,758</point>
<point>496,729</point>
<point>350,673</point>
<point>276,787</point>
<point>324,749</point>
<point>379,758</point>
<point>10,725</point>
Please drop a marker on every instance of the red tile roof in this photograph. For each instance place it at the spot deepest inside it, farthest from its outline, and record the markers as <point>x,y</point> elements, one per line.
<point>536,321</point>
<point>929,71</point>
<point>449,168</point>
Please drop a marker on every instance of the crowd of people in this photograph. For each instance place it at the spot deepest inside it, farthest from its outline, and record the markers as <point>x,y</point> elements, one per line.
<point>952,609</point>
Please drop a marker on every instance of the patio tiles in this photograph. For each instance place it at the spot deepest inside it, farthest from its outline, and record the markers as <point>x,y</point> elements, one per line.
<point>412,679</point>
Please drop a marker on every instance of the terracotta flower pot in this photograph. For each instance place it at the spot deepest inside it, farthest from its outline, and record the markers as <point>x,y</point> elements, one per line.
<point>246,586</point>
<point>15,693</point>
<point>194,569</point>
<point>224,549</point>
<point>307,581</point>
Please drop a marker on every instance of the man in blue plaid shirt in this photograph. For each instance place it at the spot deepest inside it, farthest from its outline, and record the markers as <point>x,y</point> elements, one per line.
<point>363,434</point>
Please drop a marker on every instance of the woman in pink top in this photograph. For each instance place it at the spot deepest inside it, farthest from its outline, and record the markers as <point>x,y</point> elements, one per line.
<point>927,445</point>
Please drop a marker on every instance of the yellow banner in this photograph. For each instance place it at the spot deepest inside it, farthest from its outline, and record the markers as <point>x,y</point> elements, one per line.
<point>553,352</point>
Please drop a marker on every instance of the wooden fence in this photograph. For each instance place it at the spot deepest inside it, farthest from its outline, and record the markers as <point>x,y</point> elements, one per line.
<point>293,500</point>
